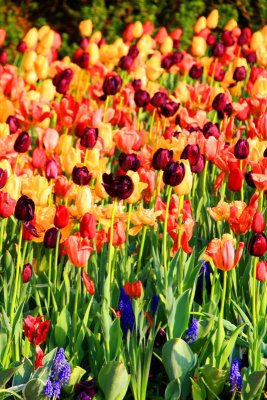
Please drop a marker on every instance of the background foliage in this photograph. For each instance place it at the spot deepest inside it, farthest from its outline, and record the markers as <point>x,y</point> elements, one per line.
<point>111,16</point>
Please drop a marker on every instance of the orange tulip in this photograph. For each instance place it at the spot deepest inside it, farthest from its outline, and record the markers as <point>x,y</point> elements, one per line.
<point>78,250</point>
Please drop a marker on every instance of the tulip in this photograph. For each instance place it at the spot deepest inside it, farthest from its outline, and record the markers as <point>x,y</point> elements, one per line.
<point>159,99</point>
<point>218,50</point>
<point>3,177</point>
<point>223,254</point>
<point>211,40</point>
<point>89,138</point>
<point>261,271</point>
<point>210,129</point>
<point>141,98</point>
<point>84,200</point>
<point>26,273</point>
<point>7,205</point>
<point>88,226</point>
<point>61,186</point>
<point>120,186</point>
<point>199,166</point>
<point>88,283</point>
<point>137,84</point>
<point>169,109</point>
<point>86,27</point>
<point>50,238</point>
<point>21,47</point>
<point>35,329</point>
<point>258,223</point>
<point>126,62</point>
<point>185,185</point>
<point>129,162</point>
<point>192,153</point>
<point>119,235</point>
<point>62,81</point>
<point>200,24</point>
<point>78,250</point>
<point>133,290</point>
<point>112,84</point>
<point>62,216</point>
<point>198,46</point>
<point>213,19</point>
<point>167,62</point>
<point>219,102</point>
<point>173,173</point>
<point>227,38</point>
<point>161,158</point>
<point>239,74</point>
<point>13,123</point>
<point>22,142</point>
<point>241,149</point>
<point>24,210</point>
<point>81,175</point>
<point>257,245</point>
<point>235,180</point>
<point>133,51</point>
<point>51,169</point>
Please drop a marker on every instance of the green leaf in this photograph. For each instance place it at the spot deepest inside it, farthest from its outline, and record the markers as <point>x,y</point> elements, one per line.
<point>62,327</point>
<point>115,338</point>
<point>181,314</point>
<point>214,378</point>
<point>178,359</point>
<point>114,380</point>
<point>76,375</point>
<point>6,374</point>
<point>229,346</point>
<point>253,384</point>
<point>198,390</point>
<point>22,375</point>
<point>34,389</point>
<point>173,390</point>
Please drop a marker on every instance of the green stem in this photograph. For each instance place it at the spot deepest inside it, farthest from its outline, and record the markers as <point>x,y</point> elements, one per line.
<point>139,118</point>
<point>3,227</point>
<point>169,192</point>
<point>105,109</point>
<point>56,261</point>
<point>111,250</point>
<point>254,311</point>
<point>219,339</point>
<point>49,279</point>
<point>205,178</point>
<point>141,248</point>
<point>13,302</point>
<point>76,301</point>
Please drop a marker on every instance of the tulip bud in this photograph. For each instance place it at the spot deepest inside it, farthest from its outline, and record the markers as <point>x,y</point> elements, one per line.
<point>51,169</point>
<point>129,162</point>
<point>258,223</point>
<point>112,84</point>
<point>133,290</point>
<point>88,283</point>
<point>7,205</point>
<point>89,138</point>
<point>210,129</point>
<point>81,175</point>
<point>192,153</point>
<point>82,60</point>
<point>26,273</point>
<point>133,51</point>
<point>62,216</point>
<point>22,142</point>
<point>21,47</point>
<point>257,245</point>
<point>261,271</point>
<point>227,38</point>
<point>219,102</point>
<point>249,179</point>
<point>167,62</point>
<point>177,57</point>
<point>137,84</point>
<point>137,29</point>
<point>200,24</point>
<point>141,98</point>
<point>50,238</point>
<point>213,19</point>
<point>62,81</point>
<point>120,186</point>
<point>88,226</point>
<point>198,46</point>
<point>61,186</point>
<point>211,39</point>
<point>196,71</point>
<point>13,124</point>
<point>235,180</point>
<point>126,62</point>
<point>3,177</point>
<point>218,50</point>
<point>24,209</point>
<point>3,57</point>
<point>173,173</point>
<point>240,74</point>
<point>252,57</point>
<point>161,158</point>
<point>241,149</point>
<point>159,99</point>
<point>86,27</point>
<point>199,166</point>
<point>169,109</point>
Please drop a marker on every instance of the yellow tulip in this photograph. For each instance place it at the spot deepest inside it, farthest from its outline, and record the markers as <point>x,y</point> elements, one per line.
<point>29,60</point>
<point>200,24</point>
<point>137,29</point>
<point>99,188</point>
<point>84,201</point>
<point>230,25</point>
<point>198,46</point>
<point>153,68</point>
<point>31,38</point>
<point>105,132</point>
<point>257,40</point>
<point>31,77</point>
<point>43,31</point>
<point>86,27</point>
<point>37,188</point>
<point>41,67</point>
<point>47,89</point>
<point>93,51</point>
<point>186,185</point>
<point>4,130</point>
<point>138,187</point>
<point>212,19</point>
<point>167,45</point>
<point>13,186</point>
<point>70,159</point>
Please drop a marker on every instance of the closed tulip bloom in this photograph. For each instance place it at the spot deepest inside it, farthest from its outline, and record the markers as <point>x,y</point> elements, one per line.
<point>133,290</point>
<point>13,123</point>
<point>51,169</point>
<point>62,216</point>
<point>210,129</point>
<point>26,273</point>
<point>241,149</point>
<point>3,177</point>
<point>223,253</point>
<point>126,62</point>
<point>137,84</point>
<point>88,226</point>
<point>219,75</point>
<point>184,187</point>
<point>173,173</point>
<point>252,57</point>
<point>167,62</point>
<point>227,38</point>
<point>89,138</point>
<point>24,210</point>
<point>199,166</point>
<point>50,238</point>
<point>211,39</point>
<point>219,102</point>
<point>235,180</point>
<point>3,57</point>
<point>88,283</point>
<point>240,74</point>
<point>78,250</point>
<point>196,71</point>
<point>62,81</point>
<point>112,84</point>
<point>7,205</point>
<point>257,245</point>
<point>258,223</point>
<point>159,99</point>
<point>120,186</point>
<point>81,175</point>
<point>22,142</point>
<point>133,51</point>
<point>261,271</point>
<point>192,153</point>
<point>161,158</point>
<point>249,179</point>
<point>129,162</point>
<point>177,57</point>
<point>198,46</point>
<point>218,50</point>
<point>141,98</point>
<point>169,109</point>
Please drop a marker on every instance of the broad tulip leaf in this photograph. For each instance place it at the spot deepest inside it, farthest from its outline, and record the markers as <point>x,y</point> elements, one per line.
<point>114,380</point>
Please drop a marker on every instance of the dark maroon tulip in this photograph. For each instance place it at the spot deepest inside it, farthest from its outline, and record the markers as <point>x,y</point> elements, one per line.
<point>159,99</point>
<point>177,57</point>
<point>30,229</point>
<point>252,57</point>
<point>89,138</point>
<point>227,38</point>
<point>240,74</point>
<point>86,390</point>
<point>21,47</point>
<point>174,173</point>
<point>241,149</point>
<point>161,338</point>
<point>210,129</point>
<point>249,179</point>
<point>3,177</point>
<point>133,51</point>
<point>228,109</point>
<point>13,123</point>
<point>169,109</point>
<point>243,38</point>
<point>112,84</point>
<point>83,60</point>
<point>129,162</point>
<point>196,71</point>
<point>24,210</point>
<point>121,186</point>
<point>26,273</point>
<point>22,142</point>
<point>219,102</point>
<point>176,43</point>
<point>167,62</point>
<point>50,238</point>
<point>62,81</point>
<point>199,166</point>
<point>126,62</point>
<point>141,98</point>
<point>265,153</point>
<point>218,50</point>
<point>81,175</point>
<point>3,57</point>
<point>192,153</point>
<point>161,158</point>
<point>257,245</point>
<point>137,84</point>
<point>51,169</point>
<point>211,39</point>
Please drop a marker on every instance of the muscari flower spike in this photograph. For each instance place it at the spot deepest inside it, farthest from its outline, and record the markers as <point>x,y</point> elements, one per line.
<point>235,377</point>
<point>59,376</point>
<point>126,311</point>
<point>192,332</point>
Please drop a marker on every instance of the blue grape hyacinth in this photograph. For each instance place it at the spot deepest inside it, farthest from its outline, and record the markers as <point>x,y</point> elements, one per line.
<point>235,376</point>
<point>126,311</point>
<point>59,376</point>
<point>192,332</point>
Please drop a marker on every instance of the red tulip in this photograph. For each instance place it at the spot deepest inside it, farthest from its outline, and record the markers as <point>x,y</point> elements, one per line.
<point>35,329</point>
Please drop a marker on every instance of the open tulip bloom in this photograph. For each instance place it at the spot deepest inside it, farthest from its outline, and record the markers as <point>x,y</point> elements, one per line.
<point>133,243</point>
